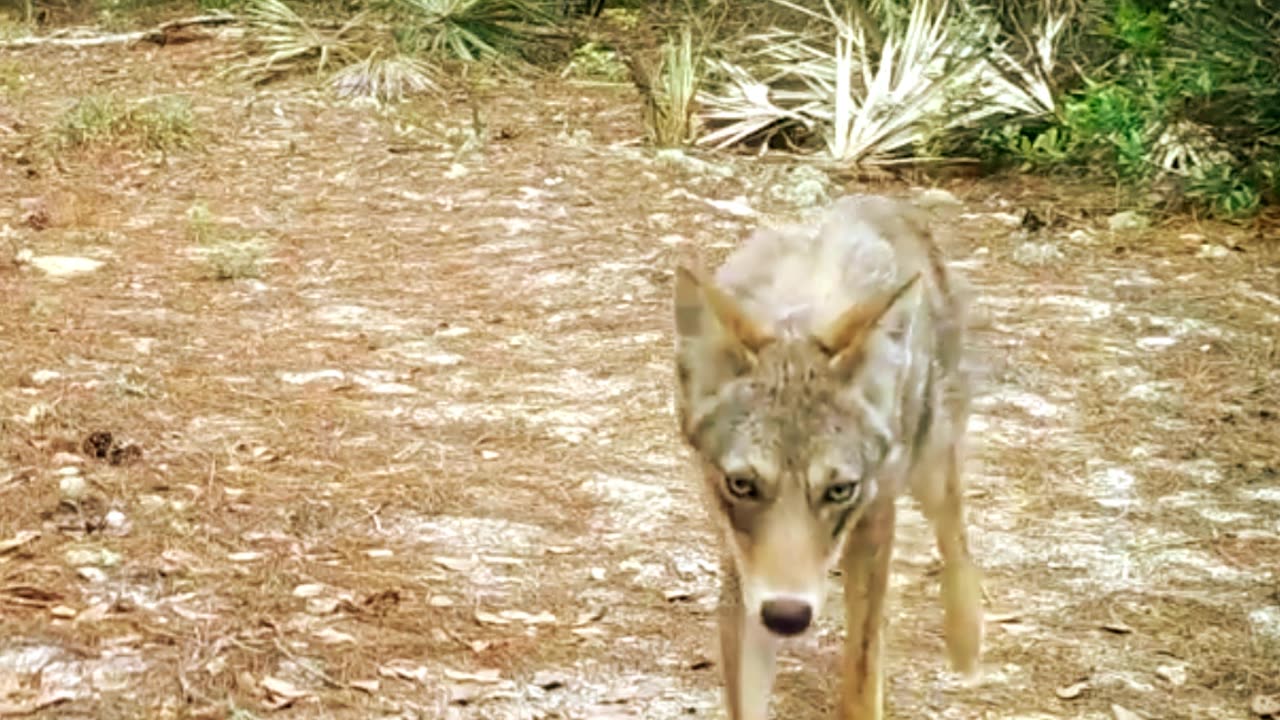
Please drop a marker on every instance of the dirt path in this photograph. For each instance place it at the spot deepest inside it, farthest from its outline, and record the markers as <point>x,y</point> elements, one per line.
<point>424,466</point>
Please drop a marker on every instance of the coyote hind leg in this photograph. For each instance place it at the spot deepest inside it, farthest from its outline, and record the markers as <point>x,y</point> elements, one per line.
<point>961,579</point>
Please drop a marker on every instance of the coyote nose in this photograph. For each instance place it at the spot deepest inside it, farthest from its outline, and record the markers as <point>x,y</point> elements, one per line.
<point>786,616</point>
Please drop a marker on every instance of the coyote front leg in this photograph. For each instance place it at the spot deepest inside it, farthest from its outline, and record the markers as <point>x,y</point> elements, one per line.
<point>866,579</point>
<point>961,580</point>
<point>747,651</point>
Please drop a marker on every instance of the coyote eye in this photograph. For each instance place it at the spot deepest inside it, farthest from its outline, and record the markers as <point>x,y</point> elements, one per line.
<point>841,492</point>
<point>741,486</point>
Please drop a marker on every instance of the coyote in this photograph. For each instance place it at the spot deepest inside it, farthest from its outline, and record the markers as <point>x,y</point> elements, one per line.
<point>819,375</point>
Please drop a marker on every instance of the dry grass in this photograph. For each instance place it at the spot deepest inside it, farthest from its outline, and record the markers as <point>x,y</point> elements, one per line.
<point>427,371</point>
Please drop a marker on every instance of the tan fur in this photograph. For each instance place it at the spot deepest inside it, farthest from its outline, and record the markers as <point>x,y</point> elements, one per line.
<point>820,376</point>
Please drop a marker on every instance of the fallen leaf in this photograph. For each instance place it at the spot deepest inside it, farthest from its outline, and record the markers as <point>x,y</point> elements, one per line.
<point>20,708</point>
<point>484,676</point>
<point>246,556</point>
<point>330,636</point>
<point>323,605</point>
<point>589,616</point>
<point>455,564</point>
<point>549,679</point>
<point>1072,691</point>
<point>281,693</point>
<point>1003,618</point>
<point>484,616</point>
<point>1175,675</point>
<point>1123,713</point>
<point>308,590</point>
<point>541,618</point>
<point>464,693</point>
<point>17,541</point>
<point>1264,705</point>
<point>404,670</point>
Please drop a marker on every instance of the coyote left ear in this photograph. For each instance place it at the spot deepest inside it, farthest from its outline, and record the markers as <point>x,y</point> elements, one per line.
<point>845,340</point>
<point>715,339</point>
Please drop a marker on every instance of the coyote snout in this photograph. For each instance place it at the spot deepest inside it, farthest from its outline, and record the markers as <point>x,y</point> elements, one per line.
<point>819,376</point>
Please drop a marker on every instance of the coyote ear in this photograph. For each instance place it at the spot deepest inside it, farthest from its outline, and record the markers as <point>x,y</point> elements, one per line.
<point>715,340</point>
<point>846,339</point>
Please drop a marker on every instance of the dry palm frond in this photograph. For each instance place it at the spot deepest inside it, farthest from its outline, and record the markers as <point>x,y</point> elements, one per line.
<point>290,42</point>
<point>385,79</point>
<point>1031,80</point>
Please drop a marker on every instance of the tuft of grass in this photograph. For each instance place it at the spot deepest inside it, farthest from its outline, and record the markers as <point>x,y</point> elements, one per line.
<point>226,255</point>
<point>669,91</point>
<point>13,79</point>
<point>163,123</point>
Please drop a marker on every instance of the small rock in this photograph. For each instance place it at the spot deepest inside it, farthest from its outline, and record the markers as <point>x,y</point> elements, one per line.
<point>116,520</point>
<point>65,265</point>
<point>92,574</point>
<point>1037,254</point>
<point>1265,705</point>
<point>1213,251</point>
<point>44,377</point>
<point>100,557</point>
<point>1175,675</point>
<point>73,487</point>
<point>937,199</point>
<point>62,611</point>
<point>1128,220</point>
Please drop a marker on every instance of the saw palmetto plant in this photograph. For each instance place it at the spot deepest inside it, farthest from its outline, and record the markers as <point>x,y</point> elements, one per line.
<point>877,81</point>
<point>391,49</point>
<point>286,42</point>
<point>469,29</point>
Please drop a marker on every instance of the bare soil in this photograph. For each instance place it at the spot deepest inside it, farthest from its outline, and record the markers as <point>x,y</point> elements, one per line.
<point>424,465</point>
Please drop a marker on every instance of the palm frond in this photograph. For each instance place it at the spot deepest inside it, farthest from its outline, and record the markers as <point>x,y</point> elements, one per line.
<point>385,79</point>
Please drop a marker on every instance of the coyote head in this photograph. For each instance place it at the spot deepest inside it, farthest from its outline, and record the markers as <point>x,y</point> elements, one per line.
<point>791,429</point>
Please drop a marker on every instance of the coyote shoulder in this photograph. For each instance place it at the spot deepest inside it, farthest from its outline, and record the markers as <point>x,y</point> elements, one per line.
<point>820,374</point>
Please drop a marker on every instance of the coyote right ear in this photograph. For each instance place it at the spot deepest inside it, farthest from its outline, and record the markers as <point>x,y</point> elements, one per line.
<point>715,340</point>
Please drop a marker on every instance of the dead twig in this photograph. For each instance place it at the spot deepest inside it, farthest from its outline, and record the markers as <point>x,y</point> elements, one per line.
<point>165,33</point>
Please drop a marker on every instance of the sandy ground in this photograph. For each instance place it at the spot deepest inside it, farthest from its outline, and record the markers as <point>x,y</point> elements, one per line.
<point>424,465</point>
